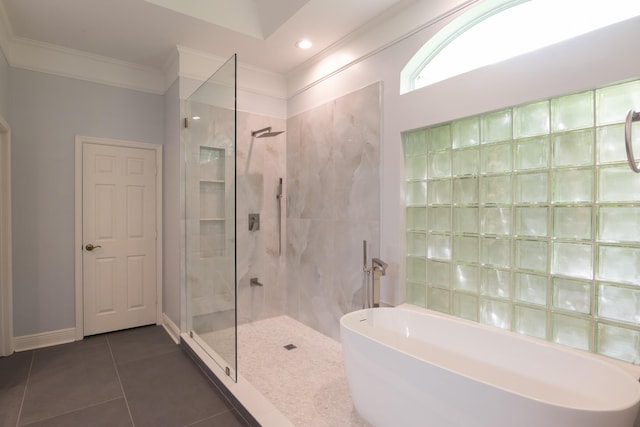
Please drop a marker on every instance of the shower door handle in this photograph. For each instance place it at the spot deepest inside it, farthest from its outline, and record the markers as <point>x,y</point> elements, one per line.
<point>632,116</point>
<point>91,247</point>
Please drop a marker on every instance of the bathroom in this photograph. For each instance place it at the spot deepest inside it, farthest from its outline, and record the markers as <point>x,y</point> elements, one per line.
<point>43,174</point>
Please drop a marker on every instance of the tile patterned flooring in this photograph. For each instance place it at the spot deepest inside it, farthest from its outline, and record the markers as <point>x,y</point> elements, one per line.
<point>138,377</point>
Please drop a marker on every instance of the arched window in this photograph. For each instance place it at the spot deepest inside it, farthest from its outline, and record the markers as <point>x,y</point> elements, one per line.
<point>496,30</point>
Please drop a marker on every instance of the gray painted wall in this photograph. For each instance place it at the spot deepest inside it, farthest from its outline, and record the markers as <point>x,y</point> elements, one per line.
<point>4,86</point>
<point>46,114</point>
<point>172,208</point>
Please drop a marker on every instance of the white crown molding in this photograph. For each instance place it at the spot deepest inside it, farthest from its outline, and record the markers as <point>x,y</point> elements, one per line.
<point>47,58</point>
<point>388,29</point>
<point>182,62</point>
<point>171,68</point>
<point>407,18</point>
<point>197,65</point>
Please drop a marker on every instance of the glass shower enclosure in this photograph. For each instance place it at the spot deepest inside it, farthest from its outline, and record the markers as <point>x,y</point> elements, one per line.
<point>210,206</point>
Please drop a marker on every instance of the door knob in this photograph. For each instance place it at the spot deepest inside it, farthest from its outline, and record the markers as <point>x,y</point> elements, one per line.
<point>91,247</point>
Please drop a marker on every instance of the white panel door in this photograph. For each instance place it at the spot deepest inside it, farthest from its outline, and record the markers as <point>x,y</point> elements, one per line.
<point>119,237</point>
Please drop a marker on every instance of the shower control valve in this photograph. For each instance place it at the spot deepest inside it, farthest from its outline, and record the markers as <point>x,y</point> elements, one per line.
<point>254,282</point>
<point>254,221</point>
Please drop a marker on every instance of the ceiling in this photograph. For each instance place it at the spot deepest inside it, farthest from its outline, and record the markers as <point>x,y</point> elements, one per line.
<point>145,32</point>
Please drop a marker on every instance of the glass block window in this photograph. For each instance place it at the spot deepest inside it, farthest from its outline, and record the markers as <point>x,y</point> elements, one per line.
<point>528,219</point>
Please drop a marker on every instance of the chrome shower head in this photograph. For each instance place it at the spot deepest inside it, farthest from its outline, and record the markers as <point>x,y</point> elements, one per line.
<point>265,133</point>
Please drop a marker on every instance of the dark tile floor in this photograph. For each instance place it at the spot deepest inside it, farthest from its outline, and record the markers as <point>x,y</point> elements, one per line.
<point>138,377</point>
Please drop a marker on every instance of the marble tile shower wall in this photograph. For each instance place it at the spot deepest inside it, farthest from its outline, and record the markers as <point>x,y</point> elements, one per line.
<point>209,156</point>
<point>260,163</point>
<point>528,219</point>
<point>332,206</point>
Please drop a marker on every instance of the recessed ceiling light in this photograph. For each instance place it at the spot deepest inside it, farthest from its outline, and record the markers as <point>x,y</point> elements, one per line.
<point>196,117</point>
<point>304,44</point>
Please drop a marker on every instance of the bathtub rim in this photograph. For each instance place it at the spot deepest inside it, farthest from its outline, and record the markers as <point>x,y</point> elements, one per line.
<point>633,370</point>
<point>625,368</point>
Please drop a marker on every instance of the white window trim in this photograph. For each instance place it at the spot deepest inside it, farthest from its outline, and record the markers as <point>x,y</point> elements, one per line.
<point>556,17</point>
<point>441,39</point>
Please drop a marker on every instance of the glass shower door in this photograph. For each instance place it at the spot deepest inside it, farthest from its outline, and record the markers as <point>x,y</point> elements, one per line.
<point>210,194</point>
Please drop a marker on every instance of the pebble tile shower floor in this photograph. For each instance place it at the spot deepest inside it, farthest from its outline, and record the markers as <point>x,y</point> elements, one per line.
<point>137,377</point>
<point>307,384</point>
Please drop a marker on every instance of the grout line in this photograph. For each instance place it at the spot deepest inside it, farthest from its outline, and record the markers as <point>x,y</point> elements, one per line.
<point>216,383</point>
<point>124,395</point>
<point>26,384</point>
<point>214,416</point>
<point>220,392</point>
<point>200,420</point>
<point>71,411</point>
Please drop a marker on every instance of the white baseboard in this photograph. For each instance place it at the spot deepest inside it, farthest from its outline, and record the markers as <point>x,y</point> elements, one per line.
<point>45,339</point>
<point>171,328</point>
<point>64,336</point>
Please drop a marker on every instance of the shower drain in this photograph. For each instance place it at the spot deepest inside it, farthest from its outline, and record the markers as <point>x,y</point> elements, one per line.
<point>290,346</point>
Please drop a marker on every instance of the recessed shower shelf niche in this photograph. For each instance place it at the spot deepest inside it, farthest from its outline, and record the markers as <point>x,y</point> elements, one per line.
<point>212,164</point>
<point>212,203</point>
<point>212,192</point>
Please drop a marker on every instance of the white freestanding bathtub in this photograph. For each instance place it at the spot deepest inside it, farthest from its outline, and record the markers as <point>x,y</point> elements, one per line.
<point>411,367</point>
